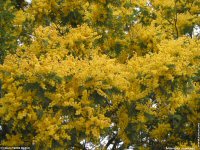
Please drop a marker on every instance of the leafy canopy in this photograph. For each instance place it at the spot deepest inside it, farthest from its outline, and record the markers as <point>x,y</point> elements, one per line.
<point>79,72</point>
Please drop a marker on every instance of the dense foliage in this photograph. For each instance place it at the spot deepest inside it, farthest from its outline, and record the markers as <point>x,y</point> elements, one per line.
<point>107,74</point>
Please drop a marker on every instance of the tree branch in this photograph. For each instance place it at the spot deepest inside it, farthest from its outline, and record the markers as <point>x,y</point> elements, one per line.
<point>111,140</point>
<point>175,21</point>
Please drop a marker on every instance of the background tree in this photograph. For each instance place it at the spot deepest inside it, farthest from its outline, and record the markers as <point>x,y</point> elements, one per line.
<point>107,74</point>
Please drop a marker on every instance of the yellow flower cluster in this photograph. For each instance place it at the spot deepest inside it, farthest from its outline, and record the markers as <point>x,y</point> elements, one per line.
<point>123,68</point>
<point>161,131</point>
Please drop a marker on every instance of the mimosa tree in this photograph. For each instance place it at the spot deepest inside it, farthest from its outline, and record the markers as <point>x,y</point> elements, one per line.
<point>99,74</point>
